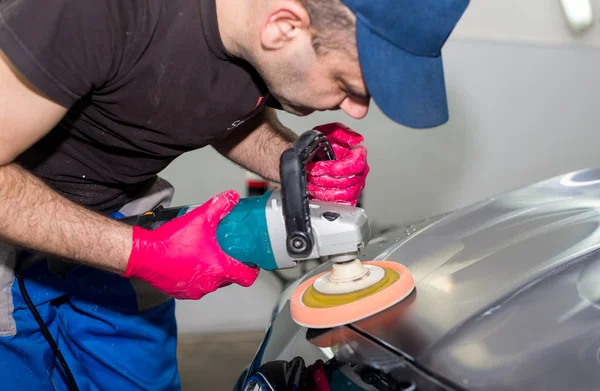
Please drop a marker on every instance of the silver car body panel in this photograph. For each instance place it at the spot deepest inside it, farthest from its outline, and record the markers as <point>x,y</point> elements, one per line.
<point>507,297</point>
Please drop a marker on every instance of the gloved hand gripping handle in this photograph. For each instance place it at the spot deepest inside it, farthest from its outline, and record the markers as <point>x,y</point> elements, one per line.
<point>243,233</point>
<point>309,146</point>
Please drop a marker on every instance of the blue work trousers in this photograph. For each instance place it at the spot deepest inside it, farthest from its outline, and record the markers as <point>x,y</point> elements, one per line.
<point>94,318</point>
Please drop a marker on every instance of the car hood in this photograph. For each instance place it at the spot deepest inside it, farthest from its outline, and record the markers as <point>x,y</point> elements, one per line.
<point>507,291</point>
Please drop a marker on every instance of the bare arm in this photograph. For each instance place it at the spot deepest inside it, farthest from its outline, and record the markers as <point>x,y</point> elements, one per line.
<point>258,146</point>
<point>33,215</point>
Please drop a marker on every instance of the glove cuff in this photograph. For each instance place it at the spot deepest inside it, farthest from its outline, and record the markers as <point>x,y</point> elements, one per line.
<point>141,238</point>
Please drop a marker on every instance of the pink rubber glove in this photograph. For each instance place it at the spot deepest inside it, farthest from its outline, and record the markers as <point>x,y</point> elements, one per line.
<point>182,257</point>
<point>343,179</point>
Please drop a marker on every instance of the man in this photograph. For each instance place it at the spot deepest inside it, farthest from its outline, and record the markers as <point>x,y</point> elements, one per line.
<point>97,97</point>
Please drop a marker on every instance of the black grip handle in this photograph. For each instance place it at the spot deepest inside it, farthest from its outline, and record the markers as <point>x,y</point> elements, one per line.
<point>311,145</point>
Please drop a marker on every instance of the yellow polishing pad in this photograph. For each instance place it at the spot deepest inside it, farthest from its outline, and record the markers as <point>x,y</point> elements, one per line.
<point>315,299</point>
<point>313,309</point>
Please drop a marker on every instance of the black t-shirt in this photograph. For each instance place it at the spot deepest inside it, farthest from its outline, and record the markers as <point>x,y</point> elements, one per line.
<point>145,81</point>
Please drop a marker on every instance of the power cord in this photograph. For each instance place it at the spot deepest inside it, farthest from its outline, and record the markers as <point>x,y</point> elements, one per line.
<point>70,379</point>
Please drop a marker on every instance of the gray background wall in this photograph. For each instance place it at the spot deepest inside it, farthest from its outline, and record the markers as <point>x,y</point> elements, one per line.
<point>524,105</point>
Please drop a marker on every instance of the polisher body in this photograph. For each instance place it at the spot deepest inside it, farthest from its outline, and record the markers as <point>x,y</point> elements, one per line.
<point>254,232</point>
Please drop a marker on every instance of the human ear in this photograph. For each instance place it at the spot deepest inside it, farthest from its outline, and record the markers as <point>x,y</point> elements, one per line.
<point>286,20</point>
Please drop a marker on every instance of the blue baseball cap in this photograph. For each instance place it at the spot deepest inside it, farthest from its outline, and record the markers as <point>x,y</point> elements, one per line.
<point>399,48</point>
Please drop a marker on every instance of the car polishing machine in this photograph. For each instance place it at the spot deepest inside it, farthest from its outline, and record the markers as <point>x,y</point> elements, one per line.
<point>283,227</point>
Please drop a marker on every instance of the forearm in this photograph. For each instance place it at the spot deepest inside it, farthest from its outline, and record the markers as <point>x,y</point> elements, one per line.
<point>31,214</point>
<point>259,145</point>
<point>36,217</point>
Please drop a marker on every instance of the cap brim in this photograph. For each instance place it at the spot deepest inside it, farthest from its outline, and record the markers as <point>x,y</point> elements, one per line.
<point>409,89</point>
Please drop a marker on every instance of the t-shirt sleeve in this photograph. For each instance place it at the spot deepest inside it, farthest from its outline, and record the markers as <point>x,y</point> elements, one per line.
<point>65,48</point>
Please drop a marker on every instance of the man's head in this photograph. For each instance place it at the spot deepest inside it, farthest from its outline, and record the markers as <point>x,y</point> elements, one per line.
<point>337,54</point>
<point>305,50</point>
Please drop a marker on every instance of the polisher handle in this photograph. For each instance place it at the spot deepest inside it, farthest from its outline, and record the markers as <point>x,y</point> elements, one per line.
<point>311,145</point>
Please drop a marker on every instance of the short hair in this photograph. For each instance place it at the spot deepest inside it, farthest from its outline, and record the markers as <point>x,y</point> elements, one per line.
<point>333,24</point>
